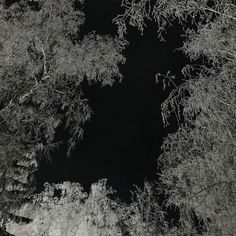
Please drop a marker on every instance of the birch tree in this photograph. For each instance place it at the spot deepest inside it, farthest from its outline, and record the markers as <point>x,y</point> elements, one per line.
<point>43,62</point>
<point>198,161</point>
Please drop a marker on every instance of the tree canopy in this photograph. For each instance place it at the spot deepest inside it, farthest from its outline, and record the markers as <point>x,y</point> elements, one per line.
<point>64,209</point>
<point>198,166</point>
<point>198,161</point>
<point>44,61</point>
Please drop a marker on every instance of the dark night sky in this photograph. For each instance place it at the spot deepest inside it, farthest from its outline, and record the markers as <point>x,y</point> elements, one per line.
<point>122,140</point>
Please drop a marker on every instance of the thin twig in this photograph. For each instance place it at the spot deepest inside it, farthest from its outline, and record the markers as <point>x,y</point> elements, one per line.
<point>219,13</point>
<point>209,187</point>
<point>45,73</point>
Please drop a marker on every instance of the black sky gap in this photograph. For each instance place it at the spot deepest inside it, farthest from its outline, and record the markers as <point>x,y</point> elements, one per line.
<point>123,139</point>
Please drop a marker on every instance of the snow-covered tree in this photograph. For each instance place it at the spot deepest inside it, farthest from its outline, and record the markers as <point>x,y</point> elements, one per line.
<point>144,215</point>
<point>198,161</point>
<point>64,209</point>
<point>43,62</point>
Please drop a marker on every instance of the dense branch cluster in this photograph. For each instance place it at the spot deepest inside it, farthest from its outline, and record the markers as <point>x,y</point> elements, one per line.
<point>64,209</point>
<point>198,161</point>
<point>40,76</point>
<point>42,67</point>
<point>139,13</point>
